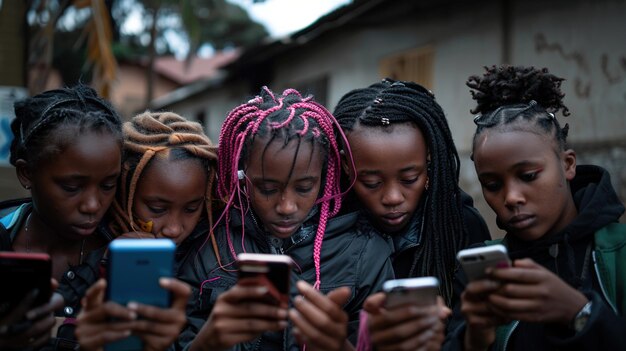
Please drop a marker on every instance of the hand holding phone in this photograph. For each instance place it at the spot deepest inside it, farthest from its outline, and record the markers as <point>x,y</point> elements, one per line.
<point>134,271</point>
<point>475,261</point>
<point>27,272</point>
<point>270,271</point>
<point>413,291</point>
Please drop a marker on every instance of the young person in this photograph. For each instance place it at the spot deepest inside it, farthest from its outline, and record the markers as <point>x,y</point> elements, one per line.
<point>566,287</point>
<point>278,173</point>
<point>67,152</point>
<point>407,173</point>
<point>165,192</point>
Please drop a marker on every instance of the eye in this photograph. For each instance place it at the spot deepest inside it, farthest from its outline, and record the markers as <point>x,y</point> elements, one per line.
<point>157,210</point>
<point>304,190</point>
<point>371,184</point>
<point>410,180</point>
<point>70,188</point>
<point>108,186</point>
<point>491,186</point>
<point>267,191</point>
<point>529,177</point>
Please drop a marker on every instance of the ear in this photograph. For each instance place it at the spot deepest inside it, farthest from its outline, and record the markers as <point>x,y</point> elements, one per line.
<point>568,158</point>
<point>344,163</point>
<point>24,174</point>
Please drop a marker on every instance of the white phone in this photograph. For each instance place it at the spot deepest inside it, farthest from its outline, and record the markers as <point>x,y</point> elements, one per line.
<point>476,261</point>
<point>412,291</point>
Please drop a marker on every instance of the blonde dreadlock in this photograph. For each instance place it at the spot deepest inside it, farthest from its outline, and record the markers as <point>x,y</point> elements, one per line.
<point>146,135</point>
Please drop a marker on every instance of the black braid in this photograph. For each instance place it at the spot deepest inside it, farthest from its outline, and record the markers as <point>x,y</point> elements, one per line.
<point>37,120</point>
<point>394,102</point>
<point>519,98</point>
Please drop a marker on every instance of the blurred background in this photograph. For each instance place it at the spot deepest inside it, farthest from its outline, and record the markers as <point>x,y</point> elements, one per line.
<point>201,58</point>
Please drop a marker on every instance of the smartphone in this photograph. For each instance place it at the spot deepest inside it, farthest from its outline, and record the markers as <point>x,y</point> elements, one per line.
<point>271,271</point>
<point>412,291</point>
<point>476,261</point>
<point>134,269</point>
<point>25,272</point>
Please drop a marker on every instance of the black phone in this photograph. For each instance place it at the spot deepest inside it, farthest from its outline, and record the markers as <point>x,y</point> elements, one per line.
<point>271,271</point>
<point>25,272</point>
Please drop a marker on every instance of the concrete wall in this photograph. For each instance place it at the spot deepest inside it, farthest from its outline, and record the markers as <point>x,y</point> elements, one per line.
<point>583,41</point>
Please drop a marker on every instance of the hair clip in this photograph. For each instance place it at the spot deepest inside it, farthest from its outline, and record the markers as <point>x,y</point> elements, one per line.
<point>477,117</point>
<point>398,84</point>
<point>241,174</point>
<point>551,115</point>
<point>378,101</point>
<point>385,121</point>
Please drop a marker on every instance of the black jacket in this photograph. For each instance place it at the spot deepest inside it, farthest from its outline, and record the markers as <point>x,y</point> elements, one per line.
<point>565,253</point>
<point>350,257</point>
<point>406,243</point>
<point>75,282</point>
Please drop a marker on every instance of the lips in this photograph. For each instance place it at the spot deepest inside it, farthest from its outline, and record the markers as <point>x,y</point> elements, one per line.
<point>86,228</point>
<point>394,218</point>
<point>284,228</point>
<point>521,221</point>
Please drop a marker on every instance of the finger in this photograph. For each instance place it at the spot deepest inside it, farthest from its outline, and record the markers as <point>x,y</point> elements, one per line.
<point>54,284</point>
<point>512,290</point>
<point>374,303</point>
<point>240,293</point>
<point>521,275</point>
<point>401,314</point>
<point>40,327</point>
<point>526,263</point>
<point>308,334</point>
<point>404,331</point>
<point>248,309</point>
<point>319,305</point>
<point>249,325</point>
<point>109,310</point>
<point>18,313</point>
<point>56,302</point>
<point>319,318</point>
<point>157,314</point>
<point>476,290</point>
<point>180,291</point>
<point>509,305</point>
<point>95,294</point>
<point>444,311</point>
<point>96,340</point>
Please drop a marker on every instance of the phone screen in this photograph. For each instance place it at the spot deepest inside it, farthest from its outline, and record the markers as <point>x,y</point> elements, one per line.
<point>274,275</point>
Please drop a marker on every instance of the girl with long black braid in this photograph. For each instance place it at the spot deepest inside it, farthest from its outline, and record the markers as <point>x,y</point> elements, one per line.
<point>567,286</point>
<point>67,151</point>
<point>407,172</point>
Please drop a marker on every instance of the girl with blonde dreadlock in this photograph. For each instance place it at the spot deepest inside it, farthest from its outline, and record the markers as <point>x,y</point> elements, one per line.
<point>279,167</point>
<point>165,192</point>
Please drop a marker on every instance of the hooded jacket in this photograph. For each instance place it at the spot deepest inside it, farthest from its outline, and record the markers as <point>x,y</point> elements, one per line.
<point>75,281</point>
<point>571,254</point>
<point>350,257</point>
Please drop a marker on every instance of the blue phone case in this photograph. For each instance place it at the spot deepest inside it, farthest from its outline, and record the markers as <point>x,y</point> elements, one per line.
<point>134,269</point>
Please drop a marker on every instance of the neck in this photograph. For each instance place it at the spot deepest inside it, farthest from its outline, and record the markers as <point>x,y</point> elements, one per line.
<point>41,238</point>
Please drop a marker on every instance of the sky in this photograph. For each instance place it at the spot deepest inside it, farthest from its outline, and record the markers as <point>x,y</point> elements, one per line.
<point>282,17</point>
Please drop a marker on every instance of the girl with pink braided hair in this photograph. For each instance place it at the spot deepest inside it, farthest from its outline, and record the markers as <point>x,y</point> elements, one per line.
<point>278,175</point>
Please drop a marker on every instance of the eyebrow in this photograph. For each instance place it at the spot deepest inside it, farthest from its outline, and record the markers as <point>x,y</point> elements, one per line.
<point>374,172</point>
<point>274,181</point>
<point>520,164</point>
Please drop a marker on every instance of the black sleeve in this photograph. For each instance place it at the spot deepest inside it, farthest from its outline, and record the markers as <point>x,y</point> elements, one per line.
<point>605,330</point>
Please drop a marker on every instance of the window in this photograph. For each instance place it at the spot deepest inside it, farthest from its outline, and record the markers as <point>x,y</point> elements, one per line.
<point>411,65</point>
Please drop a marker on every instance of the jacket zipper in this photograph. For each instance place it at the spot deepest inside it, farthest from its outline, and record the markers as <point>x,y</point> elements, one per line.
<point>508,335</point>
<point>606,298</point>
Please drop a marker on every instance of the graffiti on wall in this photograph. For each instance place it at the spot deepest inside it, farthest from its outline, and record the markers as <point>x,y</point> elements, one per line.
<point>613,69</point>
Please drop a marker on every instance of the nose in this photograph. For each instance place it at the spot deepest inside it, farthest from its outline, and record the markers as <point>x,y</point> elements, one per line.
<point>392,196</point>
<point>286,205</point>
<point>91,203</point>
<point>173,228</point>
<point>513,197</point>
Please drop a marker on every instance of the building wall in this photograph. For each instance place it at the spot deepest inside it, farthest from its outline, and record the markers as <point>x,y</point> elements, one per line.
<point>582,41</point>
